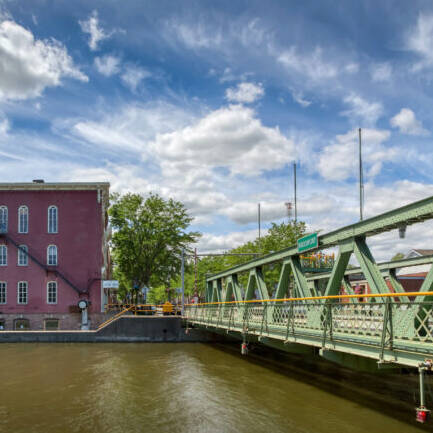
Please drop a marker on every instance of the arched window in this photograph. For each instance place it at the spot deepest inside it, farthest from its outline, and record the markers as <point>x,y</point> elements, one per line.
<point>52,219</point>
<point>3,219</point>
<point>23,292</point>
<point>23,256</point>
<point>52,255</point>
<point>23,219</point>
<point>52,292</point>
<point>3,255</point>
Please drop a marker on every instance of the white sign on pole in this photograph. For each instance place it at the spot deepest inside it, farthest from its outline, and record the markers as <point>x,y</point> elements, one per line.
<point>110,284</point>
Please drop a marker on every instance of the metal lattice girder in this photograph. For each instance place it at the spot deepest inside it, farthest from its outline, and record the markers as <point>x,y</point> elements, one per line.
<point>232,288</point>
<point>216,291</point>
<point>256,279</point>
<point>340,265</point>
<point>383,267</point>
<point>283,282</point>
<point>348,288</point>
<point>369,267</point>
<point>300,280</point>
<point>209,291</point>
<point>406,215</point>
<point>395,283</point>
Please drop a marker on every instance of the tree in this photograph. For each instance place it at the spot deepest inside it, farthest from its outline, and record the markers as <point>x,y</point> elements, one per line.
<point>149,235</point>
<point>279,236</point>
<point>398,256</point>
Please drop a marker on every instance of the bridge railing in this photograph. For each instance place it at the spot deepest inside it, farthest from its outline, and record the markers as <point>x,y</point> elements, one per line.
<point>379,322</point>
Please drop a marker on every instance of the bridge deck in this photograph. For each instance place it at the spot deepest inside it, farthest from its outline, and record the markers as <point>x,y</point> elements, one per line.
<point>388,331</point>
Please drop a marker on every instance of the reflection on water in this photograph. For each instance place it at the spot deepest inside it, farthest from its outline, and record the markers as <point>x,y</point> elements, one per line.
<point>167,388</point>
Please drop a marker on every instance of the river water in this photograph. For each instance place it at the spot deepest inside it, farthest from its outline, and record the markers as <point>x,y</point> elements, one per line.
<point>62,388</point>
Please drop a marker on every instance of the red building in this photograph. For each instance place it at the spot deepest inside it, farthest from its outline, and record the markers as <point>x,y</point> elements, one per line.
<point>53,253</point>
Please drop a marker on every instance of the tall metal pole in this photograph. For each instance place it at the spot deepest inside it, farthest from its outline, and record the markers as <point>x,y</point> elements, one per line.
<point>195,271</point>
<point>182,277</point>
<point>361,180</point>
<point>258,217</point>
<point>294,182</point>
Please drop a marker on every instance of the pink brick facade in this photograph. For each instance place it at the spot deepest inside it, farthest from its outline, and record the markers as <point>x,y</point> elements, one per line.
<point>82,254</point>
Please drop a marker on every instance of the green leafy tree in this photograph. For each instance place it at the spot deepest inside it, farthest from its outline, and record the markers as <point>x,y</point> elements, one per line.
<point>149,235</point>
<point>398,256</point>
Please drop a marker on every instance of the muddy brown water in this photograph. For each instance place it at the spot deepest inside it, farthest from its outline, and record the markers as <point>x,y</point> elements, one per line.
<point>184,387</point>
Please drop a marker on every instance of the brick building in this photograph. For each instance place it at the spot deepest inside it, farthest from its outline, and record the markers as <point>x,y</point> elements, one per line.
<point>53,253</point>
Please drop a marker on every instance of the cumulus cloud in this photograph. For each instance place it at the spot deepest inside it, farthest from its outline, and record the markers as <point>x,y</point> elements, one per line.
<point>362,110</point>
<point>29,66</point>
<point>420,40</point>
<point>407,123</point>
<point>313,65</point>
<point>133,76</point>
<point>381,72</point>
<point>245,92</point>
<point>338,160</point>
<point>94,30</point>
<point>230,137</point>
<point>107,65</point>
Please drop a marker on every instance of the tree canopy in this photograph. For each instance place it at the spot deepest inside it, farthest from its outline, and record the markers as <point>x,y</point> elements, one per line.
<point>149,235</point>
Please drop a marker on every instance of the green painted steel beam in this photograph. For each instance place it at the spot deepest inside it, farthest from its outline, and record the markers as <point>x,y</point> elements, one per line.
<point>383,267</point>
<point>410,214</point>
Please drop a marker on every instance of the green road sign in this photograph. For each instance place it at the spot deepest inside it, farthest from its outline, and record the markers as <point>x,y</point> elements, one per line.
<point>308,242</point>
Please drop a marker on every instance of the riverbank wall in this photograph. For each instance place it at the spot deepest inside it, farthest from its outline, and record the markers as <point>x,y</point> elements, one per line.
<point>127,329</point>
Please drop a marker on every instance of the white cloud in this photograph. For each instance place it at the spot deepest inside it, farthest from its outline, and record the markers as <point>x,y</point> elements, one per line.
<point>92,28</point>
<point>29,66</point>
<point>420,40</point>
<point>133,76</point>
<point>311,65</point>
<point>107,65</point>
<point>362,110</point>
<point>223,242</point>
<point>351,68</point>
<point>338,160</point>
<point>229,137</point>
<point>245,92</point>
<point>299,98</point>
<point>407,123</point>
<point>4,125</point>
<point>194,36</point>
<point>381,72</point>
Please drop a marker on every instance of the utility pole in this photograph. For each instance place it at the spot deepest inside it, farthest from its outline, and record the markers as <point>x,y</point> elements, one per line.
<point>294,183</point>
<point>258,217</point>
<point>195,271</point>
<point>182,276</point>
<point>361,179</point>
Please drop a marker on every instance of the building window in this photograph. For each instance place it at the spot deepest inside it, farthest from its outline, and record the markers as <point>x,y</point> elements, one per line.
<point>23,258</point>
<point>52,219</point>
<point>21,324</point>
<point>23,292</point>
<point>51,324</point>
<point>3,219</point>
<point>3,292</point>
<point>52,255</point>
<point>3,255</point>
<point>2,324</point>
<point>23,219</point>
<point>52,292</point>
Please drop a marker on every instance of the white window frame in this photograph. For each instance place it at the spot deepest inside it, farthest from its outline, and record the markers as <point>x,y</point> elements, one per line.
<point>48,255</point>
<point>5,249</point>
<point>48,292</point>
<point>4,211</point>
<point>4,284</point>
<point>56,228</point>
<point>20,229</point>
<point>26,292</point>
<point>25,255</point>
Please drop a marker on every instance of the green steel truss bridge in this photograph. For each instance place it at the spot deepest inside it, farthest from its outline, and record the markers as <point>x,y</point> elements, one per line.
<point>388,327</point>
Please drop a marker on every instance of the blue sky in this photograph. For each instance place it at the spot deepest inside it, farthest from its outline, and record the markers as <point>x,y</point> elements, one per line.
<point>211,103</point>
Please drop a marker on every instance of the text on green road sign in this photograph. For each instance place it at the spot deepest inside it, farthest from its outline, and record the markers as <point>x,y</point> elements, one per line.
<point>308,242</point>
